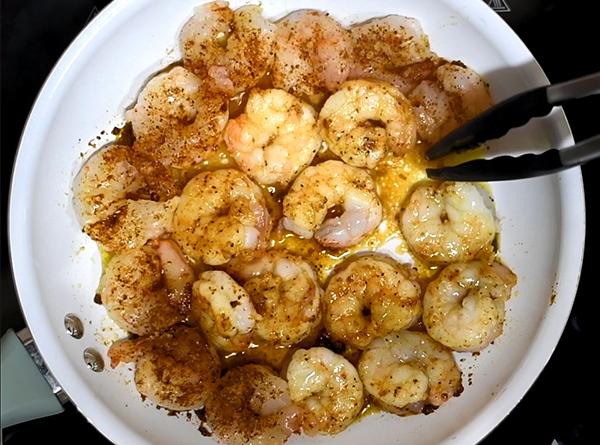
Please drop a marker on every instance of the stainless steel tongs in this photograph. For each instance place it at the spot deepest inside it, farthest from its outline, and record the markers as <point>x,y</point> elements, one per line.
<point>510,113</point>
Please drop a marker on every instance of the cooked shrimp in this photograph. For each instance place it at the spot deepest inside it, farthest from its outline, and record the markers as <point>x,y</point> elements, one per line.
<point>464,305</point>
<point>133,223</point>
<point>275,138</point>
<point>313,53</point>
<point>252,406</point>
<point>148,289</point>
<point>177,369</point>
<point>285,293</point>
<point>365,119</point>
<point>178,118</point>
<point>224,311</point>
<point>116,173</point>
<point>407,372</point>
<point>392,48</point>
<point>327,388</point>
<point>235,49</point>
<point>449,221</point>
<point>324,187</point>
<point>222,214</point>
<point>370,298</point>
<point>455,95</point>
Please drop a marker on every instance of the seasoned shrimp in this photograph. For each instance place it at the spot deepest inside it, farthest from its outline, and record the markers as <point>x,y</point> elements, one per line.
<point>370,298</point>
<point>449,221</point>
<point>234,49</point>
<point>177,118</point>
<point>114,174</point>
<point>177,369</point>
<point>327,388</point>
<point>252,406</point>
<point>285,293</point>
<point>313,53</point>
<point>224,311</point>
<point>115,196</point>
<point>275,138</point>
<point>365,119</point>
<point>455,95</point>
<point>464,305</point>
<point>392,48</point>
<point>222,214</point>
<point>323,187</point>
<point>133,223</point>
<point>407,372</point>
<point>148,289</point>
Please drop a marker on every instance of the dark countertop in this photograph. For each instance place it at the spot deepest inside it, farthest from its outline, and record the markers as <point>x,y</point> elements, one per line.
<point>558,406</point>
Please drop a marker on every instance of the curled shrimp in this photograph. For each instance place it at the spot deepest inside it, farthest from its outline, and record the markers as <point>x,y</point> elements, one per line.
<point>176,369</point>
<point>407,372</point>
<point>148,289</point>
<point>115,174</point>
<point>115,197</point>
<point>394,49</point>
<point>449,221</point>
<point>222,214</point>
<point>251,405</point>
<point>327,388</point>
<point>285,293</point>
<point>224,311</point>
<point>178,119</point>
<point>370,298</point>
<point>275,138</point>
<point>365,119</point>
<point>234,49</point>
<point>313,53</point>
<point>464,305</point>
<point>324,187</point>
<point>454,95</point>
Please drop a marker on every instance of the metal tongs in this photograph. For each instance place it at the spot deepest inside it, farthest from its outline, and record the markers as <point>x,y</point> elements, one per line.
<point>510,113</point>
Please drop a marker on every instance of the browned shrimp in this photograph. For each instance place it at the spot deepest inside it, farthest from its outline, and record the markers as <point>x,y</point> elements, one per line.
<point>177,369</point>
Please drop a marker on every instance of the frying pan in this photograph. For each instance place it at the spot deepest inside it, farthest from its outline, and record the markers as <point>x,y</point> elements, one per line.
<point>57,268</point>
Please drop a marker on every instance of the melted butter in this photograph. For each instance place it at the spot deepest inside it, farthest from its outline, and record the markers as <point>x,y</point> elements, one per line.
<point>273,356</point>
<point>369,408</point>
<point>105,256</point>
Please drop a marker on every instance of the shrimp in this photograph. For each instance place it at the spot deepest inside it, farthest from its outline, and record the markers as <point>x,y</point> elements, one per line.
<point>224,311</point>
<point>455,95</point>
<point>449,221</point>
<point>114,174</point>
<point>370,298</point>
<point>133,223</point>
<point>148,289</point>
<point>321,188</point>
<point>252,406</point>
<point>177,369</point>
<point>313,53</point>
<point>234,49</point>
<point>178,118</point>
<point>222,214</point>
<point>407,372</point>
<point>285,293</point>
<point>327,388</point>
<point>464,305</point>
<point>365,119</point>
<point>394,49</point>
<point>275,138</point>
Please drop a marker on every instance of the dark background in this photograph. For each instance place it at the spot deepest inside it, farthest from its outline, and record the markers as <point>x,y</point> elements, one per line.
<point>558,33</point>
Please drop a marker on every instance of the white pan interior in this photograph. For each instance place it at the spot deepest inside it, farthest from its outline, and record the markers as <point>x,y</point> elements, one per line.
<point>57,267</point>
